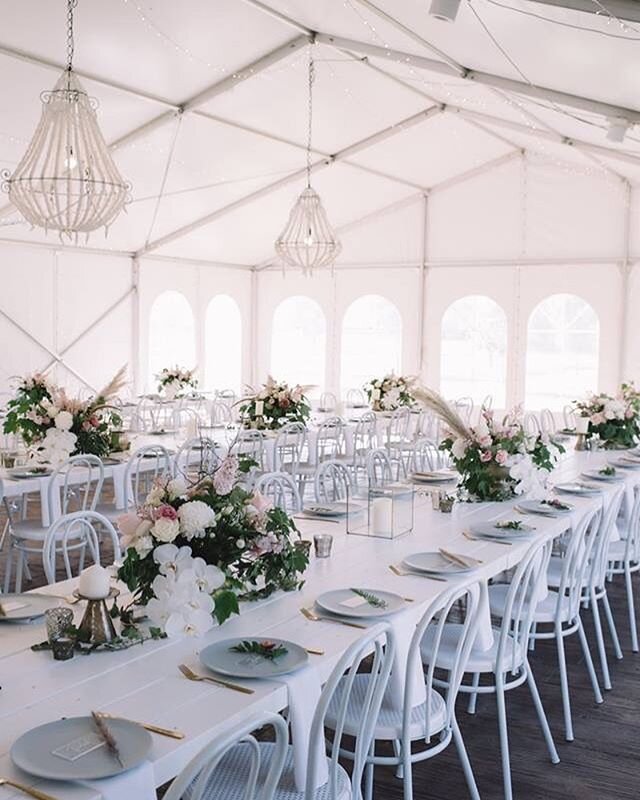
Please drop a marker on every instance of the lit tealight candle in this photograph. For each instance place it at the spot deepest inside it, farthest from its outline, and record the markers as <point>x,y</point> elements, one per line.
<point>94,583</point>
<point>375,395</point>
<point>382,516</point>
<point>582,424</point>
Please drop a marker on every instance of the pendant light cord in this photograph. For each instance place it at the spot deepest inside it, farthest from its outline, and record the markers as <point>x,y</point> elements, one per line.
<point>71,6</point>
<point>312,77</point>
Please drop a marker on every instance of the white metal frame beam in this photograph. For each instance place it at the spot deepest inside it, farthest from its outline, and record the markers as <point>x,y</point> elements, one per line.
<point>622,9</point>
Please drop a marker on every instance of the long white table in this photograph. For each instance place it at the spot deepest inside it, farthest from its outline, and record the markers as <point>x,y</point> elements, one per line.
<point>143,682</point>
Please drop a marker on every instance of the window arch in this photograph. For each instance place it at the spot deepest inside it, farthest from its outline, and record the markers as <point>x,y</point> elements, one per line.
<point>371,341</point>
<point>563,337</point>
<point>473,350</point>
<point>172,338</point>
<point>223,344</point>
<point>298,342</point>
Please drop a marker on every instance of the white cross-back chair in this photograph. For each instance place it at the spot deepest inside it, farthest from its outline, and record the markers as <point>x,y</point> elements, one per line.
<point>215,771</point>
<point>505,663</point>
<point>144,468</point>
<point>624,559</point>
<point>233,775</point>
<point>332,482</point>
<point>420,729</point>
<point>196,458</point>
<point>281,489</point>
<point>75,485</point>
<point>557,614</point>
<point>79,531</point>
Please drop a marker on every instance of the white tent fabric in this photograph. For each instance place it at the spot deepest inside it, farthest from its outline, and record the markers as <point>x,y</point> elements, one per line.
<point>445,167</point>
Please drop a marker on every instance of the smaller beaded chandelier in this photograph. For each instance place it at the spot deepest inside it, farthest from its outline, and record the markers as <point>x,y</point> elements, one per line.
<point>67,180</point>
<point>308,240</point>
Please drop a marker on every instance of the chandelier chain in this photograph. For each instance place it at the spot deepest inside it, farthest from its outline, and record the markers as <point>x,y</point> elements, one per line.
<point>71,5</point>
<point>311,79</point>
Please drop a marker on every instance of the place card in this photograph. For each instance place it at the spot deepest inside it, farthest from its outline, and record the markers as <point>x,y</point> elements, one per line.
<point>75,749</point>
<point>12,605</point>
<point>354,602</point>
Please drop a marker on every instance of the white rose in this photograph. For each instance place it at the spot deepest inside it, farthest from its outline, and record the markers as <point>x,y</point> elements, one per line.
<point>155,496</point>
<point>64,420</point>
<point>176,488</point>
<point>143,545</point>
<point>459,448</point>
<point>166,530</point>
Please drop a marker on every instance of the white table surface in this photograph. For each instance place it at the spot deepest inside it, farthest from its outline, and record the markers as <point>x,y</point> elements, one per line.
<point>143,682</point>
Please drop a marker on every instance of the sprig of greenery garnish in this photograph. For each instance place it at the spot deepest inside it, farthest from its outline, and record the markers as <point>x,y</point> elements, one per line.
<point>510,524</point>
<point>266,649</point>
<point>555,503</point>
<point>608,470</point>
<point>372,599</point>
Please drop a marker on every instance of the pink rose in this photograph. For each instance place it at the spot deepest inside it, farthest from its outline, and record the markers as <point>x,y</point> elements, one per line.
<point>260,502</point>
<point>166,512</point>
<point>485,456</point>
<point>485,441</point>
<point>501,457</point>
<point>598,418</point>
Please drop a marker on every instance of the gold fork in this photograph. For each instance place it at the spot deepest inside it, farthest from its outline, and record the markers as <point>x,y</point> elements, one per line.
<point>171,732</point>
<point>311,615</point>
<point>193,676</point>
<point>404,572</point>
<point>27,789</point>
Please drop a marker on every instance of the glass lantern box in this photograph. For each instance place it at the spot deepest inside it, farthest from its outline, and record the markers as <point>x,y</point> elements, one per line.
<point>385,512</point>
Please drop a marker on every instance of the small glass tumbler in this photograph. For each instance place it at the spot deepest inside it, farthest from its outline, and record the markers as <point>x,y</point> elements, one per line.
<point>63,648</point>
<point>322,543</point>
<point>58,621</point>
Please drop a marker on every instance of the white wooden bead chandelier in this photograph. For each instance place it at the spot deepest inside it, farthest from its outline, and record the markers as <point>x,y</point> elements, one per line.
<point>308,240</point>
<point>67,180</point>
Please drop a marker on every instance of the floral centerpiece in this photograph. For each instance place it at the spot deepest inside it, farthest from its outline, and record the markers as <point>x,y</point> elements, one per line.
<point>497,460</point>
<point>192,552</point>
<point>55,426</point>
<point>172,382</point>
<point>390,392</point>
<point>614,420</point>
<point>274,405</point>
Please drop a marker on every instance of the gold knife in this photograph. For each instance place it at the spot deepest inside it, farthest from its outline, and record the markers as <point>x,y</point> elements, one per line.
<point>171,732</point>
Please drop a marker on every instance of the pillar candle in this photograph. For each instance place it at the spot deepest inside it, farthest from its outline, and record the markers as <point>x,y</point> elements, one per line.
<point>382,516</point>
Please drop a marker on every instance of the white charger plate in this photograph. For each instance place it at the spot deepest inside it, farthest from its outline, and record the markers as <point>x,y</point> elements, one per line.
<point>596,475</point>
<point>576,488</point>
<point>538,507</point>
<point>342,603</point>
<point>433,563</point>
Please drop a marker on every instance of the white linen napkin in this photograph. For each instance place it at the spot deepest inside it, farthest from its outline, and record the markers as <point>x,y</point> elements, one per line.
<point>304,693</point>
<point>404,625</point>
<point>137,783</point>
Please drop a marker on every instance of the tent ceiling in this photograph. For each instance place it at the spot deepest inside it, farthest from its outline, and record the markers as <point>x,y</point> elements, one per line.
<point>160,50</point>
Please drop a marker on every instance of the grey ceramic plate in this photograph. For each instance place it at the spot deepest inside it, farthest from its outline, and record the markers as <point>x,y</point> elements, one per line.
<point>31,606</point>
<point>29,472</point>
<point>538,507</point>
<point>493,530</point>
<point>220,658</point>
<point>576,488</point>
<point>346,603</point>
<point>327,510</point>
<point>596,475</point>
<point>433,562</point>
<point>437,476</point>
<point>624,462</point>
<point>32,752</point>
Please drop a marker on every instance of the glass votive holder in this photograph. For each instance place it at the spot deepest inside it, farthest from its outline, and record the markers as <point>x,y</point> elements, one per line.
<point>446,503</point>
<point>58,622</point>
<point>322,543</point>
<point>63,648</point>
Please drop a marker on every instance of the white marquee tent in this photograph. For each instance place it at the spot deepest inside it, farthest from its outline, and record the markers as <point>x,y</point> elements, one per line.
<point>488,222</point>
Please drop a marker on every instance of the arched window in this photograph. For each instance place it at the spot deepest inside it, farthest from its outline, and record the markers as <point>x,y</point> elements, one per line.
<point>371,341</point>
<point>562,352</point>
<point>298,342</point>
<point>172,338</point>
<point>223,345</point>
<point>473,350</point>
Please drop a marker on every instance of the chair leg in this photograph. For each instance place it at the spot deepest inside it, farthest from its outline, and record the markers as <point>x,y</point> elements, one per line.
<point>473,697</point>
<point>612,626</point>
<point>397,751</point>
<point>589,662</point>
<point>464,760</point>
<point>632,611</point>
<point>19,569</point>
<point>542,717</point>
<point>368,773</point>
<point>597,624</point>
<point>564,686</point>
<point>504,740</point>
<point>8,568</point>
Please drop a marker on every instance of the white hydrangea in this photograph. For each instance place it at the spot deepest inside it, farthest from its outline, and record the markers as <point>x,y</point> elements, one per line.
<point>165,529</point>
<point>64,420</point>
<point>195,516</point>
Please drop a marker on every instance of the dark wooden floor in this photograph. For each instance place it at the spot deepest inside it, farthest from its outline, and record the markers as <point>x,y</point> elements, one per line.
<point>603,763</point>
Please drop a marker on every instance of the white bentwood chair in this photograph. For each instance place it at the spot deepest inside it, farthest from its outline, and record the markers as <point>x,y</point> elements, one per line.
<point>196,458</point>
<point>332,482</point>
<point>146,466</point>
<point>80,529</point>
<point>624,559</point>
<point>281,489</point>
<point>233,776</point>
<point>380,470</point>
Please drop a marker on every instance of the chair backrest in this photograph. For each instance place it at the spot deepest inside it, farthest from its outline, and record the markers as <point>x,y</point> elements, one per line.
<point>145,466</point>
<point>71,531</point>
<point>569,416</point>
<point>600,554</point>
<point>520,605</point>
<point>379,468</point>
<point>487,403</point>
<point>365,433</point>
<point>332,482</point>
<point>200,772</point>
<point>356,398</point>
<point>436,617</point>
<point>398,430</point>
<point>464,407</point>
<point>220,413</point>
<point>632,545</point>
<point>330,440</point>
<point>289,446</point>
<point>425,456</point>
<point>196,457</point>
<point>531,424</point>
<point>281,488</point>
<point>226,396</point>
<point>327,402</point>
<point>376,647</point>
<point>547,421</point>
<point>75,485</point>
<point>576,562</point>
<point>250,444</point>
